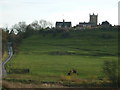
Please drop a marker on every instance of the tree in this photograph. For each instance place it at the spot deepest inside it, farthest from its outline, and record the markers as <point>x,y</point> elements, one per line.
<point>35,25</point>
<point>44,24</point>
<point>29,31</point>
<point>50,25</point>
<point>20,27</point>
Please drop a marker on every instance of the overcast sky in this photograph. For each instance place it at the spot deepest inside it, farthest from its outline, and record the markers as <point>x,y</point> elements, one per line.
<point>13,11</point>
<point>119,13</point>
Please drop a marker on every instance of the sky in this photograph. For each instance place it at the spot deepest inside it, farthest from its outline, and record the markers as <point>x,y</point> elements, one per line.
<point>119,13</point>
<point>14,11</point>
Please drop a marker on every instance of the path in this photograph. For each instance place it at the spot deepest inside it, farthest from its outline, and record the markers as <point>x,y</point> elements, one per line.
<point>10,53</point>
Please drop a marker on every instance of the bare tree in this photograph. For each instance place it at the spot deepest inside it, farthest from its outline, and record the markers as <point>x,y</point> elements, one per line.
<point>35,25</point>
<point>20,27</point>
<point>23,26</point>
<point>50,24</point>
<point>44,24</point>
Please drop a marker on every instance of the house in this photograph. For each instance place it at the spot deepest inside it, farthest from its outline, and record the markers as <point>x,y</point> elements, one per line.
<point>63,25</point>
<point>85,25</point>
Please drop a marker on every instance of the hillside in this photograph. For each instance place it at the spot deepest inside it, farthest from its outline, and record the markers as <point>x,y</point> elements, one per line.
<point>49,56</point>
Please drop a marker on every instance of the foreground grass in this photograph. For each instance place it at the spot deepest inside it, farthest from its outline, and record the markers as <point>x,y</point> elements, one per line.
<point>5,56</point>
<point>51,56</point>
<point>7,84</point>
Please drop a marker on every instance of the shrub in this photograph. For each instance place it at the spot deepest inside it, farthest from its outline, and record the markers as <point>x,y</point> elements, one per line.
<point>110,69</point>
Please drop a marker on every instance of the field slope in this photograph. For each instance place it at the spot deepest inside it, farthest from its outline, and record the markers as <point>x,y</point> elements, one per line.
<point>49,56</point>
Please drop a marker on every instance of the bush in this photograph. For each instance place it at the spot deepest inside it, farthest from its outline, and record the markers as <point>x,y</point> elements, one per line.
<point>110,68</point>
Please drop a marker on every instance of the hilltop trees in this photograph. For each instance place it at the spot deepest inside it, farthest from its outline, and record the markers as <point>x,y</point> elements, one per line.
<point>37,27</point>
<point>20,27</point>
<point>34,25</point>
<point>45,24</point>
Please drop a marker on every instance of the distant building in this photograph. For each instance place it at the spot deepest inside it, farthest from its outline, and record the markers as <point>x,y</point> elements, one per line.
<point>85,25</point>
<point>64,25</point>
<point>92,23</point>
<point>93,19</point>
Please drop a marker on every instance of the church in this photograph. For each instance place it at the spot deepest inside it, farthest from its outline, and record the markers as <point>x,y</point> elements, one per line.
<point>92,22</point>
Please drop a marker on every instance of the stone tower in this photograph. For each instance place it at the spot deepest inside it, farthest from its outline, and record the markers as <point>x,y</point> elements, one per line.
<point>94,19</point>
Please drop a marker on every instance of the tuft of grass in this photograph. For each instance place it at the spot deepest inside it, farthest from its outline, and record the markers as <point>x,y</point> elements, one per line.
<point>71,78</point>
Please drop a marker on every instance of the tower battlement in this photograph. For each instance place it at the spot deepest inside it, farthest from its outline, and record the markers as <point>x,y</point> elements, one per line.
<point>93,19</point>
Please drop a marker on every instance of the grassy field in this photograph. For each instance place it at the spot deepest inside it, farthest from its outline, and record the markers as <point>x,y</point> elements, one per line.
<point>50,56</point>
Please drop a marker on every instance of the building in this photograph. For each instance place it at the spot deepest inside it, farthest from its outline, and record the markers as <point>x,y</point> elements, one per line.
<point>64,25</point>
<point>92,22</point>
<point>85,24</point>
<point>93,19</point>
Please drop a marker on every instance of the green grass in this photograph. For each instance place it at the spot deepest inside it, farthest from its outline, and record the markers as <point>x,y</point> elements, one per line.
<point>5,55</point>
<point>51,56</point>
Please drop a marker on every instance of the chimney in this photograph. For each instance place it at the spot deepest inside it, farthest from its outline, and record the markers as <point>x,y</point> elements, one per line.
<point>63,20</point>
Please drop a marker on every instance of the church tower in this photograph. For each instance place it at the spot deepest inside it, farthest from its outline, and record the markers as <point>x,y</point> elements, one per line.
<point>94,19</point>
